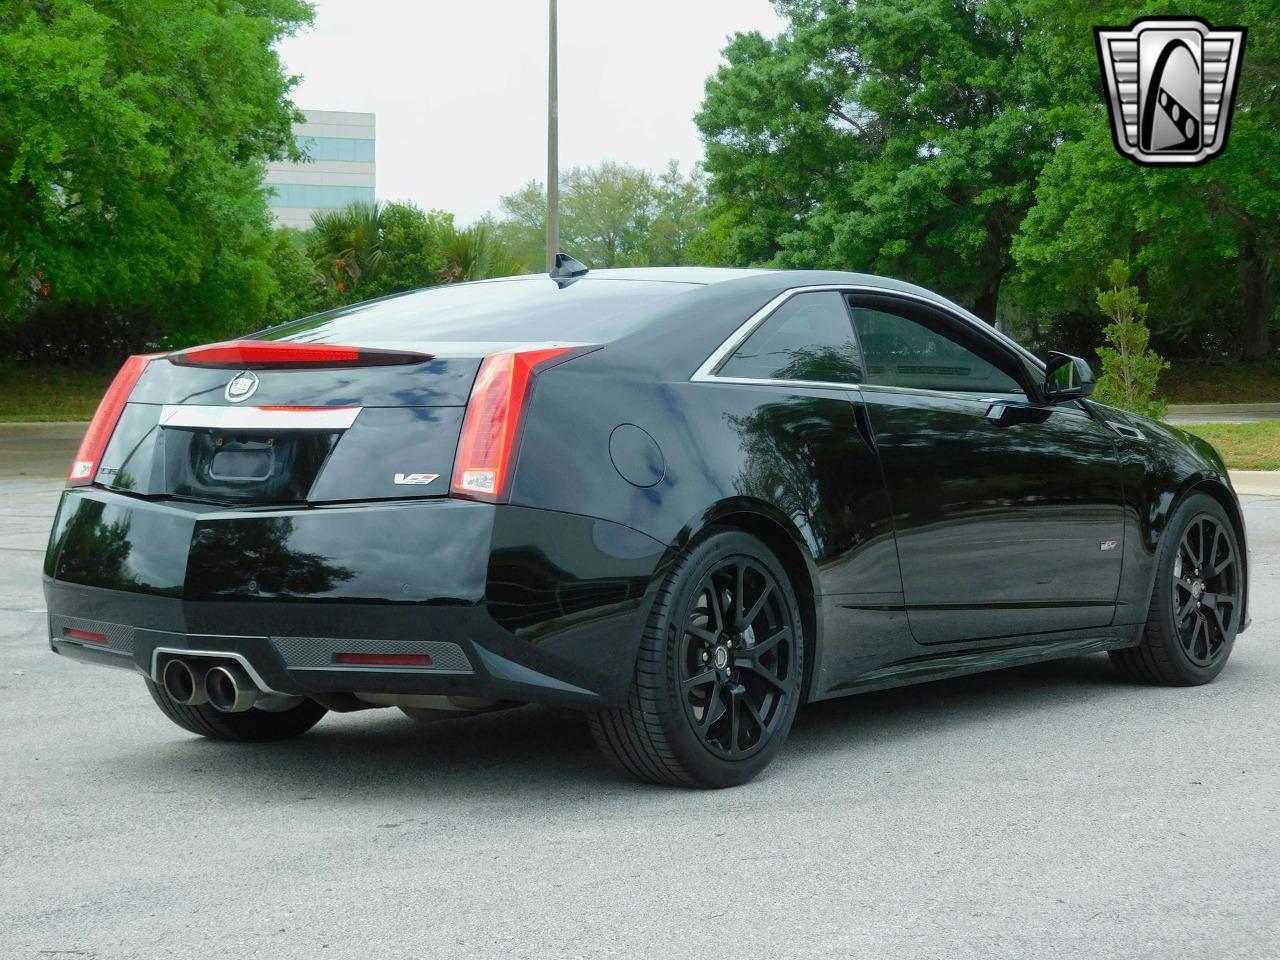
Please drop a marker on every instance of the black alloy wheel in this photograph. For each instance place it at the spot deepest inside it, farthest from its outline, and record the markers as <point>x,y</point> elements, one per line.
<point>720,670</point>
<point>1197,601</point>
<point>1206,590</point>
<point>737,658</point>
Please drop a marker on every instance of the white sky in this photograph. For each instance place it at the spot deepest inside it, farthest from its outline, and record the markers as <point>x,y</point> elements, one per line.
<point>459,87</point>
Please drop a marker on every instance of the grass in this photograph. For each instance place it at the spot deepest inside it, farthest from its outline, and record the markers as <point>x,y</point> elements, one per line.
<point>1191,382</point>
<point>1245,446</point>
<point>49,394</point>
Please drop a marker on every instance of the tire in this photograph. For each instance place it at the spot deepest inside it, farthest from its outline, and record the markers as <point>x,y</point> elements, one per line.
<point>1199,552</point>
<point>715,688</point>
<point>249,726</point>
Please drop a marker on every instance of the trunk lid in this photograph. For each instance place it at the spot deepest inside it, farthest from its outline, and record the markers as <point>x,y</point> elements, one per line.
<point>262,435</point>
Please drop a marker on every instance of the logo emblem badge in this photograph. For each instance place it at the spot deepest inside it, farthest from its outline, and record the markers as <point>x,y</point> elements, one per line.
<point>242,386</point>
<point>1171,84</point>
<point>415,478</point>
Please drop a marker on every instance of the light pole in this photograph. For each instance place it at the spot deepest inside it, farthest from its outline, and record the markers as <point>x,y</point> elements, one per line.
<point>553,144</point>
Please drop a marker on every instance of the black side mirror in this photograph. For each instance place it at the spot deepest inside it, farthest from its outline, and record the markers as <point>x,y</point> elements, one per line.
<point>1067,378</point>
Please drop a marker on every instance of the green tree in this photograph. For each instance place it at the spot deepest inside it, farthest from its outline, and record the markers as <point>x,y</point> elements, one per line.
<point>1129,369</point>
<point>608,211</point>
<point>966,146</point>
<point>347,246</point>
<point>412,250</point>
<point>297,288</point>
<point>1203,240</point>
<point>523,224</point>
<point>613,215</point>
<point>477,253</point>
<point>133,135</point>
<point>896,136</point>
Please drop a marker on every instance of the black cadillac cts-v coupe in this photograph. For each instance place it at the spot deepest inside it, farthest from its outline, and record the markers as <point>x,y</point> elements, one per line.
<point>681,501</point>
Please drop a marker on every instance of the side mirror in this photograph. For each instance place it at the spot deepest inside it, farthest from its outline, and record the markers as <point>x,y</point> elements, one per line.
<point>1067,378</point>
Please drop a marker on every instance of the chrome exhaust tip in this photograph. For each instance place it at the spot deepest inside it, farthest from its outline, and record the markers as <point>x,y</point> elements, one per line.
<point>183,684</point>
<point>230,690</point>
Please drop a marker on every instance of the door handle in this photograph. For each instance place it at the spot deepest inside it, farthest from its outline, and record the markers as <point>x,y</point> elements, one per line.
<point>996,411</point>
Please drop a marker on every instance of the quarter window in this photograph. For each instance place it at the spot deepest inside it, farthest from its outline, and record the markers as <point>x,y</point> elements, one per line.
<point>808,338</point>
<point>899,351</point>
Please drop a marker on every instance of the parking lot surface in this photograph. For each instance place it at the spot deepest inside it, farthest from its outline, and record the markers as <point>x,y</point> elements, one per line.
<point>1041,812</point>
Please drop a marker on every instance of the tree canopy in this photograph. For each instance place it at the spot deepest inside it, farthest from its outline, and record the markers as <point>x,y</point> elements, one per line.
<point>965,146</point>
<point>614,215</point>
<point>133,136</point>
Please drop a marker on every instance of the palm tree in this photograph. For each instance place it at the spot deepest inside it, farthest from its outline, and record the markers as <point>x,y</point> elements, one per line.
<point>476,252</point>
<point>347,244</point>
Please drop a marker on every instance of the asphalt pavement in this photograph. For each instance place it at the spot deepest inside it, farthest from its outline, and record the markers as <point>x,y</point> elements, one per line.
<point>1042,812</point>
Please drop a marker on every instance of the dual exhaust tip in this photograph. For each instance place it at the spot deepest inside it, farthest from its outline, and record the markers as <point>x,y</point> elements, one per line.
<point>225,687</point>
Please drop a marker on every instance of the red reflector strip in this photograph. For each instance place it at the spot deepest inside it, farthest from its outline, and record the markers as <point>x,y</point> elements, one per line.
<point>86,635</point>
<point>89,457</point>
<point>384,659</point>
<point>272,353</point>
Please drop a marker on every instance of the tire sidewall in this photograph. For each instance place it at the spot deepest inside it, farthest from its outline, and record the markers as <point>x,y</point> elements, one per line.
<point>706,553</point>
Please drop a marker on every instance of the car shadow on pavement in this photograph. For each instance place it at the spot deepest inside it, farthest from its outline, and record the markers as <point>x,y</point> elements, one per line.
<point>537,752</point>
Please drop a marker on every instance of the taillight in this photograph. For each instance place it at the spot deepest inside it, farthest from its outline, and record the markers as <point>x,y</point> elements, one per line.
<point>103,424</point>
<point>491,428</point>
<point>248,354</point>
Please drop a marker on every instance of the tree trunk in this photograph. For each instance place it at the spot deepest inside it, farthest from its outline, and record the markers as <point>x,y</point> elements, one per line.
<point>985,303</point>
<point>1259,305</point>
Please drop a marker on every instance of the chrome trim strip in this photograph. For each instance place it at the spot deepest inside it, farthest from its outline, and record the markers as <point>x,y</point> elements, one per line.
<point>258,418</point>
<point>758,382</point>
<point>706,372</point>
<point>221,654</point>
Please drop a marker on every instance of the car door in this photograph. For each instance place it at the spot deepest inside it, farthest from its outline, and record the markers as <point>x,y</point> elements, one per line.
<point>1008,513</point>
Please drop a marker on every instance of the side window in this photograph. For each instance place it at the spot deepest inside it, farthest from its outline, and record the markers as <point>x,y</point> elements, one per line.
<point>901,351</point>
<point>809,337</point>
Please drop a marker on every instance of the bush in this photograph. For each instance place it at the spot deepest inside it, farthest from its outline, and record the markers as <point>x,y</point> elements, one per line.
<point>1129,369</point>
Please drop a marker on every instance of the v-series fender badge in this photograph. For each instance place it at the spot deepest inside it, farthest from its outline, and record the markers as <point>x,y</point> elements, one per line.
<point>415,478</point>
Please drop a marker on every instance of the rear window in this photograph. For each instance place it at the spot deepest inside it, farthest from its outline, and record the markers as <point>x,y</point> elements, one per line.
<point>527,308</point>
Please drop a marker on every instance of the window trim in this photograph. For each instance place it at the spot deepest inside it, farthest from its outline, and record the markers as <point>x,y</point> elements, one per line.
<point>707,371</point>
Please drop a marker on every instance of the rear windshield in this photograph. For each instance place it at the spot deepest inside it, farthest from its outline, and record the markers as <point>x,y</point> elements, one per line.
<point>526,308</point>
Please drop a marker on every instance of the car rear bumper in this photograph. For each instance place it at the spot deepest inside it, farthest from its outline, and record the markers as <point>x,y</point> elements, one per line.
<point>506,602</point>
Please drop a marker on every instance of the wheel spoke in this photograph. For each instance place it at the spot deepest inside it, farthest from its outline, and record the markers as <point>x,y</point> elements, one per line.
<point>713,604</point>
<point>758,606</point>
<point>1199,627</point>
<point>769,643</point>
<point>739,598</point>
<point>1181,613</point>
<point>713,711</point>
<point>735,716</point>
<point>1195,554</point>
<point>706,676</point>
<point>706,636</point>
<point>768,676</point>
<point>1214,603</point>
<point>1218,566</point>
<point>755,715</point>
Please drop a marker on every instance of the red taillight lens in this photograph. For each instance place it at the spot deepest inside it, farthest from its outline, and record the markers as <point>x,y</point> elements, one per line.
<point>94,444</point>
<point>491,428</point>
<point>248,354</point>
